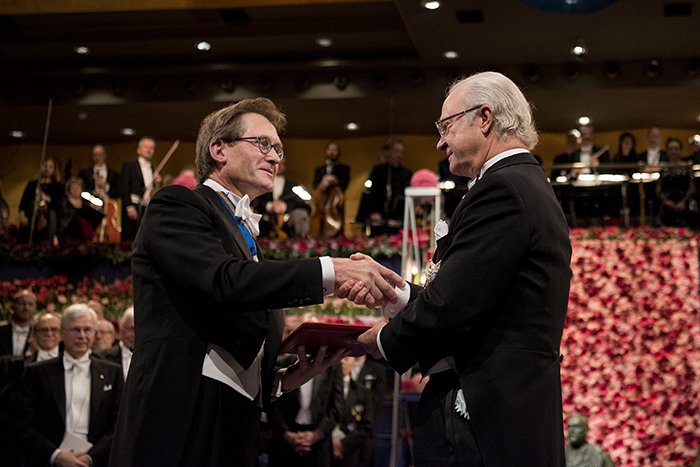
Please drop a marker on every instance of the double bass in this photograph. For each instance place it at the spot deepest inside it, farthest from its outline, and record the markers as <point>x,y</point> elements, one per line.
<point>327,211</point>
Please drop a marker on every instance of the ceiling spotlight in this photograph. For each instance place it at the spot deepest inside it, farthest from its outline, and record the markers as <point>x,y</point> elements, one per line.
<point>450,54</point>
<point>340,82</point>
<point>653,68</point>
<point>203,46</point>
<point>81,49</point>
<point>324,42</point>
<point>352,126</point>
<point>584,120</point>
<point>430,4</point>
<point>82,115</point>
<point>17,134</point>
<point>579,50</point>
<point>127,131</point>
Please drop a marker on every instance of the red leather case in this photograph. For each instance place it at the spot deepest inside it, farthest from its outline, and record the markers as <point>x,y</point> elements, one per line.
<point>314,335</point>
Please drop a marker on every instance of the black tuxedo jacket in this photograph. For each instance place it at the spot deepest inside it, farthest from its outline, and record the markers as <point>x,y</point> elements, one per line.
<point>6,339</point>
<point>341,172</point>
<point>131,182</point>
<point>393,207</point>
<point>88,178</point>
<point>112,354</point>
<point>356,417</point>
<point>42,409</point>
<point>663,156</point>
<point>497,305</point>
<point>195,284</point>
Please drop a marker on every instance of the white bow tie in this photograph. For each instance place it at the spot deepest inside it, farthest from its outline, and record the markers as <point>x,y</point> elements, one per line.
<point>69,363</point>
<point>244,213</point>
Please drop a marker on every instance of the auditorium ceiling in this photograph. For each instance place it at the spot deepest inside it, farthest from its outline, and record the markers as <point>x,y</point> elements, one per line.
<point>384,70</point>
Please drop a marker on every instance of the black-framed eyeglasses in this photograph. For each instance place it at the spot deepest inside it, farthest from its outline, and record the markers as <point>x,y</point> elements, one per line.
<point>443,125</point>
<point>264,144</point>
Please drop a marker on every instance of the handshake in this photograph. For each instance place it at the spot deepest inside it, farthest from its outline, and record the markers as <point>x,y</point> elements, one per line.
<point>365,282</point>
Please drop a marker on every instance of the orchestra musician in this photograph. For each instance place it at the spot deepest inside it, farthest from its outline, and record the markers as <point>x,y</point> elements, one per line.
<point>327,206</point>
<point>79,217</point>
<point>41,205</point>
<point>137,179</point>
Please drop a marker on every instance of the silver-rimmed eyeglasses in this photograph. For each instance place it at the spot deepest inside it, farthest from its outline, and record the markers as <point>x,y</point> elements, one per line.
<point>443,125</point>
<point>264,144</point>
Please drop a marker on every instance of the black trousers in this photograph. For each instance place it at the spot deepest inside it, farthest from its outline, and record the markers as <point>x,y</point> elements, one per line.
<point>227,432</point>
<point>443,438</point>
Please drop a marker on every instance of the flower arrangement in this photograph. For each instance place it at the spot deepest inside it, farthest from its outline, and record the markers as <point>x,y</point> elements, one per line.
<point>55,293</point>
<point>631,345</point>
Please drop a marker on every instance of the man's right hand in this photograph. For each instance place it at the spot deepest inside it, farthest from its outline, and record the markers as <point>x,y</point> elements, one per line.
<point>72,459</point>
<point>376,282</point>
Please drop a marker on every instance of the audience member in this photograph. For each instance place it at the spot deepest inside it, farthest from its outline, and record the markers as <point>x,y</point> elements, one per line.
<point>354,429</point>
<point>104,335</point>
<point>121,352</point>
<point>97,308</point>
<point>99,179</point>
<point>138,180</point>
<point>79,217</point>
<point>68,405</point>
<point>676,189</point>
<point>47,200</point>
<point>46,334</point>
<point>284,213</point>
<point>579,452</point>
<point>14,335</point>
<point>386,196</point>
<point>328,200</point>
<point>302,421</point>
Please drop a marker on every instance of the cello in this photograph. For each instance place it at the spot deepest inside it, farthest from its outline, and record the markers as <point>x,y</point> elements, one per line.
<point>327,211</point>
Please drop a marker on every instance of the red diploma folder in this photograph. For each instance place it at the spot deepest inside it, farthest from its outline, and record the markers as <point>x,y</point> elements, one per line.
<point>335,336</point>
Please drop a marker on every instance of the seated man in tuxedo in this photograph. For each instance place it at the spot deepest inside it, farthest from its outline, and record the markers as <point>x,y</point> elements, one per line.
<point>302,421</point>
<point>46,337</point>
<point>353,433</point>
<point>120,353</point>
<point>105,335</point>
<point>14,335</point>
<point>67,406</point>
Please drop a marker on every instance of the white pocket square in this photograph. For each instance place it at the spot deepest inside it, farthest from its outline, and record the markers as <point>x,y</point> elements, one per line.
<point>106,388</point>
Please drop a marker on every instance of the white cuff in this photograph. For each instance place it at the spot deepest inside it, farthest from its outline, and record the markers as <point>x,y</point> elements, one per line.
<point>390,310</point>
<point>328,274</point>
<point>379,344</point>
<point>52,459</point>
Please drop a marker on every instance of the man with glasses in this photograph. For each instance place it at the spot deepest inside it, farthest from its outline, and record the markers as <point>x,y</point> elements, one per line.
<point>207,332</point>
<point>68,405</point>
<point>488,323</point>
<point>105,335</point>
<point>47,337</point>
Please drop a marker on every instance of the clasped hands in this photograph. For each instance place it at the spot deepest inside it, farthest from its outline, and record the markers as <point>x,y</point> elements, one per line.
<point>365,282</point>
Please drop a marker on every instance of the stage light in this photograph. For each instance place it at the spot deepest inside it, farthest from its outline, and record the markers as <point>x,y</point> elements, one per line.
<point>451,54</point>
<point>352,126</point>
<point>203,46</point>
<point>653,68</point>
<point>81,49</point>
<point>430,4</point>
<point>324,42</point>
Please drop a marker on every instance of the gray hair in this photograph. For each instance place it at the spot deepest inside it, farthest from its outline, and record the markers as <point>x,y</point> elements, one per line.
<point>512,112</point>
<point>225,125</point>
<point>75,311</point>
<point>128,313</point>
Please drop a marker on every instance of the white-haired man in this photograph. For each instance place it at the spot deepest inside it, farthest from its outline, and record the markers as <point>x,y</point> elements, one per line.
<point>68,405</point>
<point>488,324</point>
